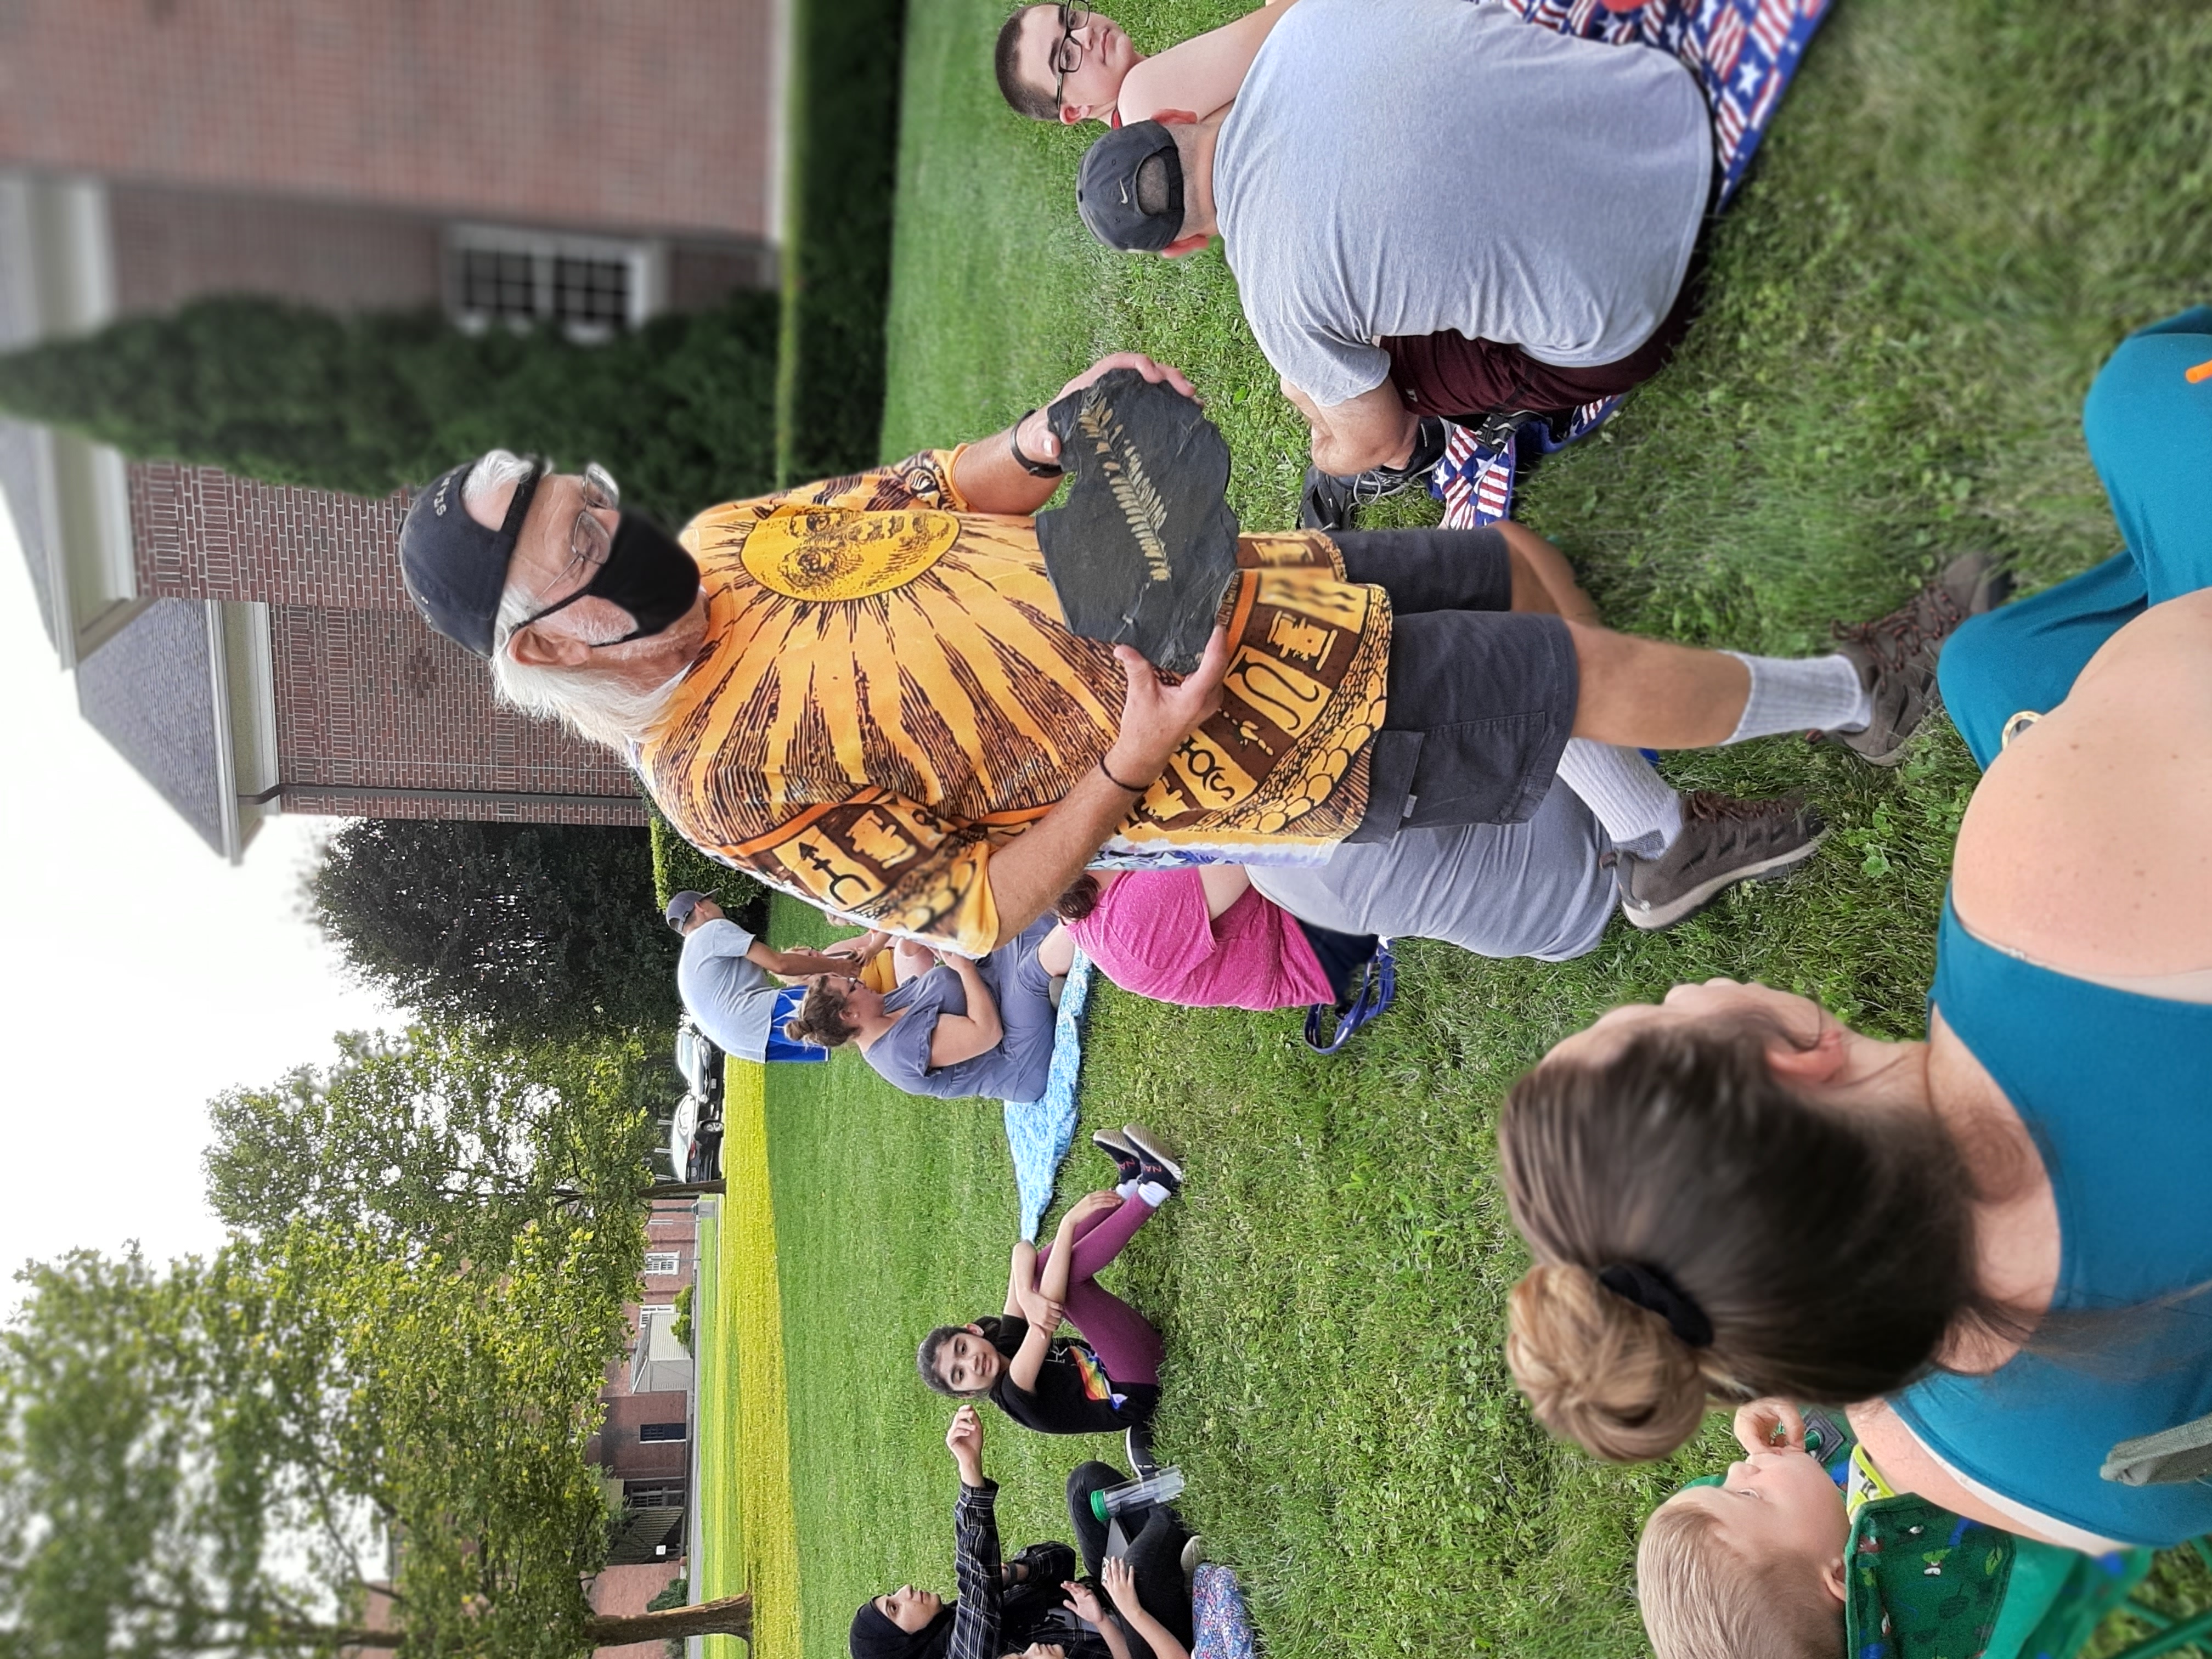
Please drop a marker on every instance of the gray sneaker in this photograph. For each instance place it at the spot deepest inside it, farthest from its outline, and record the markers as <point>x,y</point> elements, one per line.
<point>1723,840</point>
<point>1896,654</point>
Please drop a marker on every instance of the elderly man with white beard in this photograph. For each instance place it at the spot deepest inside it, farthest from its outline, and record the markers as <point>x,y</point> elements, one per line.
<point>861,690</point>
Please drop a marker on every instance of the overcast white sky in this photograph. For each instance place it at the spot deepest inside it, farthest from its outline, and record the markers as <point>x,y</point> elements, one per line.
<point>142,973</point>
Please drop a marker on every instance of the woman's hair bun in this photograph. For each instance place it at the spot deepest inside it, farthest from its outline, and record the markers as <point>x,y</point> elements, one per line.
<point>1600,1370</point>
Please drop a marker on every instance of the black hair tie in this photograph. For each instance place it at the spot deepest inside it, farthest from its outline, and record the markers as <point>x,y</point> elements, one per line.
<point>1656,1291</point>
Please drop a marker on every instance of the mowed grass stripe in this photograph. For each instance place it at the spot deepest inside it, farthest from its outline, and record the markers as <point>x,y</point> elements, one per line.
<point>745,1461</point>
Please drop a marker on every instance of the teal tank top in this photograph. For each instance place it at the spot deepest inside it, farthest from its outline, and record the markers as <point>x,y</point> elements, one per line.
<point>2117,1089</point>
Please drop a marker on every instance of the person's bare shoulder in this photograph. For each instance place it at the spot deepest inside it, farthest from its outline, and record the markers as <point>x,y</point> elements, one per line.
<point>2085,847</point>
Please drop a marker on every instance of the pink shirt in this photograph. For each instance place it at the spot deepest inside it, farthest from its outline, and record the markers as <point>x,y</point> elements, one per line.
<point>1150,935</point>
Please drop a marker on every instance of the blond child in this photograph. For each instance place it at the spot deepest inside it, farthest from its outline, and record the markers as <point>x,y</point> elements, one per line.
<point>1754,1564</point>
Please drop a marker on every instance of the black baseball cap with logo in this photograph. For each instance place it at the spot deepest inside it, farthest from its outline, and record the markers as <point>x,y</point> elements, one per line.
<point>1124,172</point>
<point>454,568</point>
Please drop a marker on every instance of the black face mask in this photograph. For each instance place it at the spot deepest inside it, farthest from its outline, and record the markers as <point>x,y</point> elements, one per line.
<point>647,574</point>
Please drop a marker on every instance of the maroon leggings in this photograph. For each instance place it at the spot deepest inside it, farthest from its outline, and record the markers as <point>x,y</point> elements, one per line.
<point>1448,374</point>
<point>1123,1338</point>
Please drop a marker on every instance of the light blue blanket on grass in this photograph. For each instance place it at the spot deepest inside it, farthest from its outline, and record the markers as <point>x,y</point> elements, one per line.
<point>1040,1132</point>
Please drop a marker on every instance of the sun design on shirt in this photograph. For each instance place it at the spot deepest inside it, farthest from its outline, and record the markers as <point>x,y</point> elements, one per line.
<point>831,553</point>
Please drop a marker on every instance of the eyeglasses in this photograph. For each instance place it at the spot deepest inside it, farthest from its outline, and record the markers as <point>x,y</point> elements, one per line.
<point>590,542</point>
<point>1067,55</point>
<point>589,539</point>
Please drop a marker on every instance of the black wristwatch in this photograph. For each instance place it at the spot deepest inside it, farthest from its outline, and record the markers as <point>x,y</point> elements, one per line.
<point>1034,468</point>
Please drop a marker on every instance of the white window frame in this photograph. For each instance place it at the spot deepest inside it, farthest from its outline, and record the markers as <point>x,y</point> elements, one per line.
<point>673,1258</point>
<point>647,261</point>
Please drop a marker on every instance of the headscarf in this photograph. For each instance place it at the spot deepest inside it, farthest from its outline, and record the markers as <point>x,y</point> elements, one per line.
<point>874,1637</point>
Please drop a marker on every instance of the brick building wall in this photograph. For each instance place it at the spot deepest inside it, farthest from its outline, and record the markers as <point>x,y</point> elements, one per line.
<point>557,112</point>
<point>368,699</point>
<point>171,246</point>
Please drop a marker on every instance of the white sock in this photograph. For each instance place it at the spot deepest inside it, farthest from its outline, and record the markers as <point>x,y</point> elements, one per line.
<point>1126,1190</point>
<point>1640,812</point>
<point>1153,1193</point>
<point>1802,694</point>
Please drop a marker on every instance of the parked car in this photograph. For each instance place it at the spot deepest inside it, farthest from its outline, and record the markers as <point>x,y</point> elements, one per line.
<point>702,1063</point>
<point>695,1144</point>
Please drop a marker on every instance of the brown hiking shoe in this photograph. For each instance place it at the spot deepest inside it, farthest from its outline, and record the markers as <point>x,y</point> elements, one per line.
<point>1723,840</point>
<point>1896,654</point>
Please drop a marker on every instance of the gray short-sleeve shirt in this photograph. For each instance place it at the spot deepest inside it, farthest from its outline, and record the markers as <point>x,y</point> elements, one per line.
<point>1016,1069</point>
<point>1431,165</point>
<point>732,998</point>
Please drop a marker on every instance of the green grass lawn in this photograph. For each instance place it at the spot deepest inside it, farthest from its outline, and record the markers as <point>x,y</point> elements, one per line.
<point>1960,211</point>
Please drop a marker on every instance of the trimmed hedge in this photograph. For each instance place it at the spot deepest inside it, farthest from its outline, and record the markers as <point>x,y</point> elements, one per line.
<point>843,175</point>
<point>680,410</point>
<point>678,867</point>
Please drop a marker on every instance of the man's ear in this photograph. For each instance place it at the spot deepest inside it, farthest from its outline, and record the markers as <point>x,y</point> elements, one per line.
<point>1821,1063</point>
<point>533,647</point>
<point>1183,244</point>
<point>1074,114</point>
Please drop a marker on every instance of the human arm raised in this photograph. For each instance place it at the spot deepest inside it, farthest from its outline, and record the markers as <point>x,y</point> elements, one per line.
<point>962,1036</point>
<point>1202,73</point>
<point>976,1616</point>
<point>990,480</point>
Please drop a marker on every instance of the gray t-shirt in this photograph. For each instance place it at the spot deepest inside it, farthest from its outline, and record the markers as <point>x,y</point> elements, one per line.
<point>1430,165</point>
<point>1498,890</point>
<point>1016,1069</point>
<point>732,998</point>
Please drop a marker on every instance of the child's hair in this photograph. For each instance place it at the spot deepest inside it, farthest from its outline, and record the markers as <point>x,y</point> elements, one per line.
<point>1702,1599</point>
<point>1080,899</point>
<point>820,1018</point>
<point>925,1356</point>
<point>1035,102</point>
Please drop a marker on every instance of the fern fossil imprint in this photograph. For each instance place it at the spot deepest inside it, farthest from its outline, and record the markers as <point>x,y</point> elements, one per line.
<point>1140,504</point>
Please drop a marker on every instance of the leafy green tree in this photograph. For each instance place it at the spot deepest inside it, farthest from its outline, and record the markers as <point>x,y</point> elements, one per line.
<point>538,929</point>
<point>217,1460</point>
<point>445,1138</point>
<point>681,411</point>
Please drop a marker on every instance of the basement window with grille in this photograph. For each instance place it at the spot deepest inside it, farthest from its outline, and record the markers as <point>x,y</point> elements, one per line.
<point>591,286</point>
<point>661,1431</point>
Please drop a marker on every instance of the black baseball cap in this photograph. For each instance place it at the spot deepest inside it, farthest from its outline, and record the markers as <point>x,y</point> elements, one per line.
<point>455,570</point>
<point>1108,193</point>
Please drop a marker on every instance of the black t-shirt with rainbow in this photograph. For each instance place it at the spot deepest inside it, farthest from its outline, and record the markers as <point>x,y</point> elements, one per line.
<point>1073,1394</point>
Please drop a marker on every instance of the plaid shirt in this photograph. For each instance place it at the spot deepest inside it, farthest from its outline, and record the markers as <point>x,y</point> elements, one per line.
<point>976,1572</point>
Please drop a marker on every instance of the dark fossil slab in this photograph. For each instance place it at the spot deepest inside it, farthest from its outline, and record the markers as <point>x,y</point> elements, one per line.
<point>1143,550</point>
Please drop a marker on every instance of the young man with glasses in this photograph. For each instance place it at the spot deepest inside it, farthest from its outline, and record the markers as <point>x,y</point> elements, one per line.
<point>1067,63</point>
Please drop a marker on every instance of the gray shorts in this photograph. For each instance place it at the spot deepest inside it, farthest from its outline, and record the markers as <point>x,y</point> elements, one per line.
<point>1482,697</point>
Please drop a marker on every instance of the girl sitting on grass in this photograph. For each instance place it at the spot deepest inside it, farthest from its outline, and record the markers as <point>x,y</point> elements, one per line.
<point>1108,1380</point>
